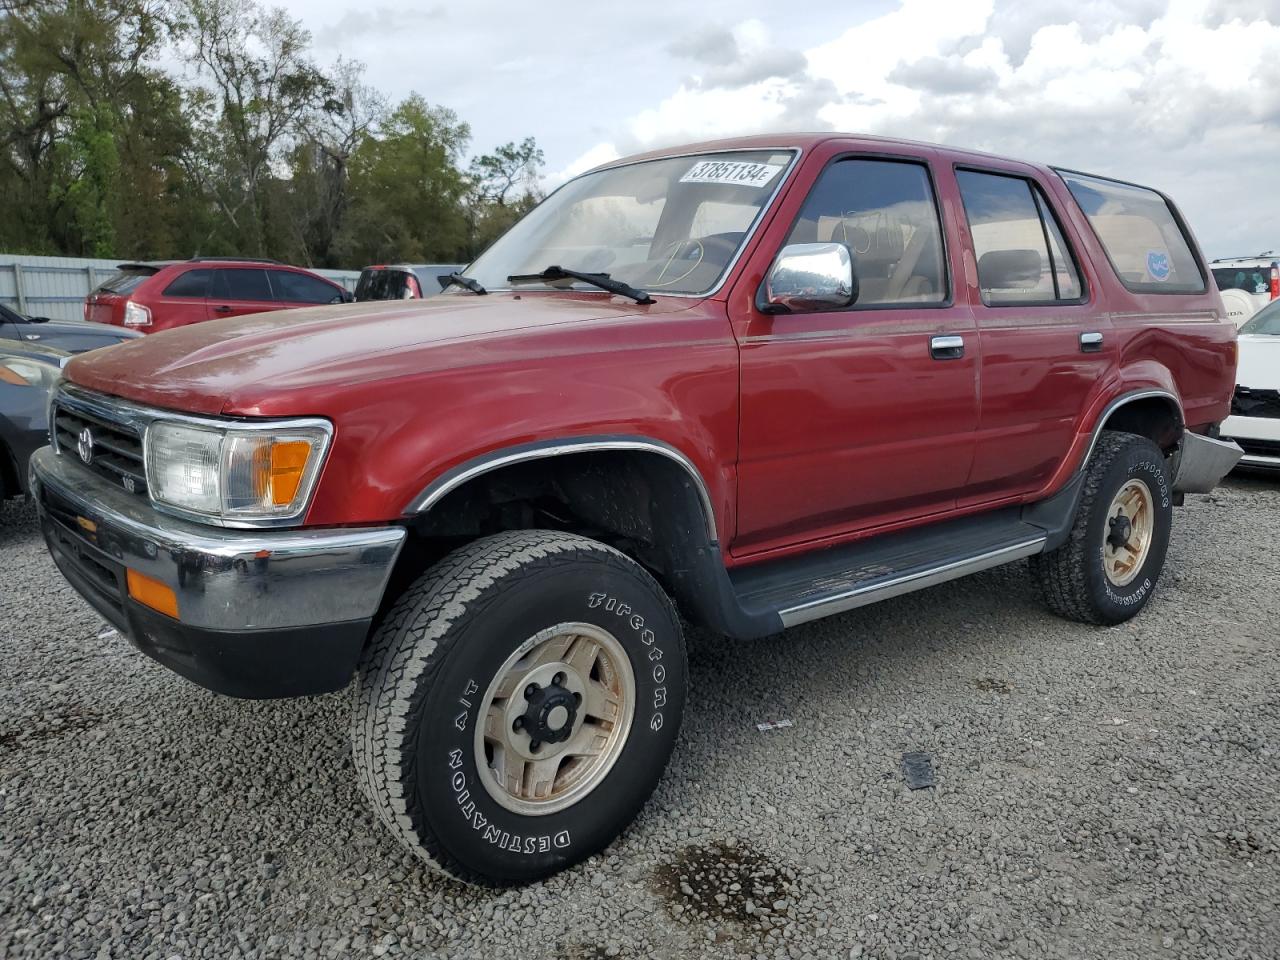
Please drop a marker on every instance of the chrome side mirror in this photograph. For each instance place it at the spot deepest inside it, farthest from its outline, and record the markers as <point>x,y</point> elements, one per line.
<point>809,276</point>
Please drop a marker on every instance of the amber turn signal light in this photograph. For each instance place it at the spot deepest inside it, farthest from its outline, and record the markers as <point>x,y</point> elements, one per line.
<point>152,593</point>
<point>288,461</point>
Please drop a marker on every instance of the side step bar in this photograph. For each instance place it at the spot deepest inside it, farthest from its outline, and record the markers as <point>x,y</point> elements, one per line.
<point>832,581</point>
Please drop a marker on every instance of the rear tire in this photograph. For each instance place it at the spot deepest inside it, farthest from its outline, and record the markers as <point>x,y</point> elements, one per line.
<point>518,705</point>
<point>1108,567</point>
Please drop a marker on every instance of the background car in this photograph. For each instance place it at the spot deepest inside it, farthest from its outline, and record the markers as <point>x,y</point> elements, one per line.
<point>28,372</point>
<point>402,281</point>
<point>165,294</point>
<point>72,336</point>
<point>1247,283</point>
<point>1255,409</point>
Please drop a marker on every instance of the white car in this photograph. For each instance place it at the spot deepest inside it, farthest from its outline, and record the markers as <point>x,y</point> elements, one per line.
<point>1255,409</point>
<point>1247,284</point>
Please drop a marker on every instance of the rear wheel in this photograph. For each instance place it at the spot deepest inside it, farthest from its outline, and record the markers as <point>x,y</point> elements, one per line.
<point>518,705</point>
<point>1108,568</point>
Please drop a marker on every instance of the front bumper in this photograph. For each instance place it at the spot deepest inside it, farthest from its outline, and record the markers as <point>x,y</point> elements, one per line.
<point>272,613</point>
<point>1258,436</point>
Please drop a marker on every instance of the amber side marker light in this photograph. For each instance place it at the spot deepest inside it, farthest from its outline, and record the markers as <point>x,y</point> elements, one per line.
<point>152,593</point>
<point>288,462</point>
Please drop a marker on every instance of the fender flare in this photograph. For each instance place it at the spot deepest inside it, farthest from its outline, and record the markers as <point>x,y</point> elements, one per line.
<point>468,470</point>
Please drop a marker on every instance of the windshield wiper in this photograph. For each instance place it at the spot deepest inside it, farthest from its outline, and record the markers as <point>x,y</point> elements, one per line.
<point>601,280</point>
<point>446,280</point>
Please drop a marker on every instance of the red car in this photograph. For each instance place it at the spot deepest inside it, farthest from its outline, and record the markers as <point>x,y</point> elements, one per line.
<point>753,383</point>
<point>166,294</point>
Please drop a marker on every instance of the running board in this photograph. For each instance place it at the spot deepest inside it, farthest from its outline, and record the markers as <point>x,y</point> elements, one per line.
<point>832,581</point>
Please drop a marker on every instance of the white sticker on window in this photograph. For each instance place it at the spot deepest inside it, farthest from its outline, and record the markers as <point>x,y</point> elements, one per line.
<point>732,171</point>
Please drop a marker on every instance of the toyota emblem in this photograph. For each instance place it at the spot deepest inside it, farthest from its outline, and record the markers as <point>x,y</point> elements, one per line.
<point>84,445</point>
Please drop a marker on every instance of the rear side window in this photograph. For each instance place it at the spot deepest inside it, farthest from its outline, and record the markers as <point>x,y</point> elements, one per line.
<point>127,280</point>
<point>238,283</point>
<point>884,212</point>
<point>1140,233</point>
<point>300,288</point>
<point>381,285</point>
<point>1022,256</point>
<point>192,283</point>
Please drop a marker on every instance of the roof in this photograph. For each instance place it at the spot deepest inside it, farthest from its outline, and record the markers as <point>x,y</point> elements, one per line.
<point>802,141</point>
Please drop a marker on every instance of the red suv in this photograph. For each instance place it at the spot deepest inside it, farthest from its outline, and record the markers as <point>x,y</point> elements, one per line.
<point>745,384</point>
<point>164,294</point>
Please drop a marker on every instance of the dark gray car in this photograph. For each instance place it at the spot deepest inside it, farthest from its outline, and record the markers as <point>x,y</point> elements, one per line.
<point>28,372</point>
<point>73,336</point>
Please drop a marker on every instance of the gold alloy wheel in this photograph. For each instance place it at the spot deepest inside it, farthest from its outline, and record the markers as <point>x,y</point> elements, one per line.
<point>1130,527</point>
<point>555,718</point>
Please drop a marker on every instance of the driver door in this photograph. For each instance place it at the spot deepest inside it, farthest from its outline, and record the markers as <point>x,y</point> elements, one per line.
<point>858,417</point>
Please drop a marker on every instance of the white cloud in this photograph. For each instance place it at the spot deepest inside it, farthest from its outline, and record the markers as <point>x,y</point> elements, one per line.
<point>1183,95</point>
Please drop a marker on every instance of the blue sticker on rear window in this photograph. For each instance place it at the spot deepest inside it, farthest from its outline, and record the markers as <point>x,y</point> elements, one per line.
<point>1158,265</point>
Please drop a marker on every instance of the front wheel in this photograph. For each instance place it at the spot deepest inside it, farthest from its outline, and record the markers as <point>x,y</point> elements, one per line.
<point>518,705</point>
<point>1107,569</point>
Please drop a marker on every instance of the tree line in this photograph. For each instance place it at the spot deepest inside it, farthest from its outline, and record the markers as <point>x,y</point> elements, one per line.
<point>154,129</point>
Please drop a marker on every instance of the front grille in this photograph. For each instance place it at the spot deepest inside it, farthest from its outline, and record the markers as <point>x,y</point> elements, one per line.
<point>1251,402</point>
<point>1259,448</point>
<point>116,448</point>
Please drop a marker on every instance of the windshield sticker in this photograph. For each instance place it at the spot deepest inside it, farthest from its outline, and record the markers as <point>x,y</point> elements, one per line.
<point>1158,265</point>
<point>732,171</point>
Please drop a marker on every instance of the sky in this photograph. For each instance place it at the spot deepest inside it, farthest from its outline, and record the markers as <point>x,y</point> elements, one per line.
<point>1184,96</point>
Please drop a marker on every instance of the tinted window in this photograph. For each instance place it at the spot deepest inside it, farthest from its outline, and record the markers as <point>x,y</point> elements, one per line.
<point>300,288</point>
<point>1248,279</point>
<point>193,283</point>
<point>126,281</point>
<point>241,284</point>
<point>1022,255</point>
<point>1140,233</point>
<point>1266,321</point>
<point>884,212</point>
<point>381,285</point>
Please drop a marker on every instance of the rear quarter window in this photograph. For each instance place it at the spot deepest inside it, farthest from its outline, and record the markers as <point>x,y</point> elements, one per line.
<point>1140,234</point>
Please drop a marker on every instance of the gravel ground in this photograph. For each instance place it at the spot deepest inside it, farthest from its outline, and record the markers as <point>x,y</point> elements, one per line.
<point>1101,792</point>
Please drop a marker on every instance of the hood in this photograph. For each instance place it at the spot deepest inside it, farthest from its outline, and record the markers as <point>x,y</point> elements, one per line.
<point>1259,365</point>
<point>256,364</point>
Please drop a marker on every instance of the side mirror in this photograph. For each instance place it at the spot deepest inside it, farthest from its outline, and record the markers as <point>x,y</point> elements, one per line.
<point>809,276</point>
<point>348,296</point>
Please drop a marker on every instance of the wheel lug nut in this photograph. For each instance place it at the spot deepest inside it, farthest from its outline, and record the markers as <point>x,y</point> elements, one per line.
<point>534,745</point>
<point>517,723</point>
<point>558,680</point>
<point>530,690</point>
<point>577,698</point>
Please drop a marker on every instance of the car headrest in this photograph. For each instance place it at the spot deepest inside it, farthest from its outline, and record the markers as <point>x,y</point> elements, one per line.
<point>1009,269</point>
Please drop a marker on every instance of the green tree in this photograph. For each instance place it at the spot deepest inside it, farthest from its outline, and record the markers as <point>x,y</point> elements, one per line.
<point>407,189</point>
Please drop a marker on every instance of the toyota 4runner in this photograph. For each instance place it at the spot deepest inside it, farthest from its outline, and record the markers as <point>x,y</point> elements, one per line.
<point>753,382</point>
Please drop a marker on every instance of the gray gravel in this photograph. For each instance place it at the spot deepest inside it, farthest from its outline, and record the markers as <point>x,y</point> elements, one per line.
<point>1101,792</point>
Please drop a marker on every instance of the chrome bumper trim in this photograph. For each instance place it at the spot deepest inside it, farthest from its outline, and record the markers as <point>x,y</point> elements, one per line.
<point>1203,462</point>
<point>225,579</point>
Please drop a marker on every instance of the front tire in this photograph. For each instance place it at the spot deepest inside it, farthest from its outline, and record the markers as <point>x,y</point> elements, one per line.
<point>1108,567</point>
<point>518,705</point>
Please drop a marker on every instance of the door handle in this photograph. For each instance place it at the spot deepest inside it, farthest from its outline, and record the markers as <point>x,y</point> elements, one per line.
<point>1090,342</point>
<point>222,309</point>
<point>946,348</point>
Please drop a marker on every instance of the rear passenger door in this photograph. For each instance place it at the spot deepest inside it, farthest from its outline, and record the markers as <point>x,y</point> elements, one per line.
<point>240,290</point>
<point>1045,340</point>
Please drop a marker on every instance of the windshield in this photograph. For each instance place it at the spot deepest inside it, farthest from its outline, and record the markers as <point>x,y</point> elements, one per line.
<point>1248,279</point>
<point>1266,321</point>
<point>663,226</point>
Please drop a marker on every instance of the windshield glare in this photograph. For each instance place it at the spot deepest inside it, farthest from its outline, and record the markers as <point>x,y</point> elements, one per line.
<point>664,226</point>
<point>1265,322</point>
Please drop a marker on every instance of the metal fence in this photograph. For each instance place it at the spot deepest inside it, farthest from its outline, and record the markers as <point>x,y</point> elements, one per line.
<point>55,287</point>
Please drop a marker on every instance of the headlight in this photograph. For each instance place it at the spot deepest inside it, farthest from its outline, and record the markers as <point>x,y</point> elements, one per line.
<point>136,315</point>
<point>21,372</point>
<point>235,473</point>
